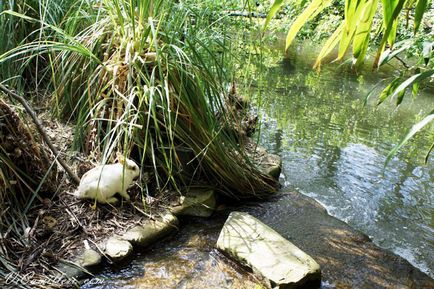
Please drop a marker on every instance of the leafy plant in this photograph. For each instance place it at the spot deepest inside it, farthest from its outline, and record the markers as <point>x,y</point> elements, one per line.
<point>355,31</point>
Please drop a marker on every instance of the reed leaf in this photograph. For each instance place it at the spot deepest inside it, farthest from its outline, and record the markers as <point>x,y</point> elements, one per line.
<point>415,129</point>
<point>312,10</point>
<point>420,10</point>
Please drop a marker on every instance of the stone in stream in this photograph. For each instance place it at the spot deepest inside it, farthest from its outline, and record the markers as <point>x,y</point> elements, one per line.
<point>196,203</point>
<point>117,249</point>
<point>259,247</point>
<point>267,163</point>
<point>152,230</point>
<point>89,259</point>
<point>271,165</point>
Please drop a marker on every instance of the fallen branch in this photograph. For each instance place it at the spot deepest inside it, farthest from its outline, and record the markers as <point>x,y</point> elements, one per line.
<point>246,14</point>
<point>250,14</point>
<point>41,131</point>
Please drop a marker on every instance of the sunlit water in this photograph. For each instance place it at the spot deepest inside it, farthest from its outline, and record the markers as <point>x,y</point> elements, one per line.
<point>334,150</point>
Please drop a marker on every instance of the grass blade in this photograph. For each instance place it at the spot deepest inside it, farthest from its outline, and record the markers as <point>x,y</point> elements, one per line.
<point>415,129</point>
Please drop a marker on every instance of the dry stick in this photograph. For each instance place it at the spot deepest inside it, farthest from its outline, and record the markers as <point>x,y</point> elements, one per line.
<point>41,131</point>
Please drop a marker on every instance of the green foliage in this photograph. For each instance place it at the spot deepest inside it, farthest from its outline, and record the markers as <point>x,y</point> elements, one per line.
<point>415,129</point>
<point>16,31</point>
<point>356,30</point>
<point>143,76</point>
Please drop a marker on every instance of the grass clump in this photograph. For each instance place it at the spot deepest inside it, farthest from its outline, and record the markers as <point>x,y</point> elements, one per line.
<point>142,77</point>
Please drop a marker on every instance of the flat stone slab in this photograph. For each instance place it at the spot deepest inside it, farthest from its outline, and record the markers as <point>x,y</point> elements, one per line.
<point>270,255</point>
<point>88,259</point>
<point>196,203</point>
<point>152,230</point>
<point>348,258</point>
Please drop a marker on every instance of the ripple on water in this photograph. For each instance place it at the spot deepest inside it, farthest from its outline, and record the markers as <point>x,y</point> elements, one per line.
<point>334,149</point>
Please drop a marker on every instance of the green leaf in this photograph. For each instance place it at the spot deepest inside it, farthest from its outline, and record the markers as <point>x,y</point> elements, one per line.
<point>428,153</point>
<point>388,90</point>
<point>400,97</point>
<point>426,51</point>
<point>314,8</point>
<point>372,91</point>
<point>389,54</point>
<point>353,13</point>
<point>415,89</point>
<point>414,79</point>
<point>361,37</point>
<point>273,10</point>
<point>415,129</point>
<point>390,24</point>
<point>328,46</point>
<point>420,10</point>
<point>389,18</point>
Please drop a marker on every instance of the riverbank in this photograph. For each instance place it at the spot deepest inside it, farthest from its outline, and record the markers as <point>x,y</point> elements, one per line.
<point>348,258</point>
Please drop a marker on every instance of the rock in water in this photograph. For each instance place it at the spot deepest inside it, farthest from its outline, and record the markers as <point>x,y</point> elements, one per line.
<point>118,249</point>
<point>197,203</point>
<point>152,230</point>
<point>89,258</point>
<point>256,245</point>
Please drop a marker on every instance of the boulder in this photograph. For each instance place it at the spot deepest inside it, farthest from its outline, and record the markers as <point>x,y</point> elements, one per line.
<point>117,249</point>
<point>196,203</point>
<point>69,271</point>
<point>269,164</point>
<point>78,268</point>
<point>151,230</point>
<point>89,258</point>
<point>267,253</point>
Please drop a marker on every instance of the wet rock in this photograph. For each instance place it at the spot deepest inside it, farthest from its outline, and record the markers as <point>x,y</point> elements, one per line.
<point>118,249</point>
<point>78,268</point>
<point>69,271</point>
<point>271,256</point>
<point>152,230</point>
<point>89,258</point>
<point>196,203</point>
<point>269,164</point>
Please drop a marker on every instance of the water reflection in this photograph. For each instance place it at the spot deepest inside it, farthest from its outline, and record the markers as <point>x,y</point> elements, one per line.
<point>334,149</point>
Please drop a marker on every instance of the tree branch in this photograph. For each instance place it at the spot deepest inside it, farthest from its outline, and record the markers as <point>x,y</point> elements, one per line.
<point>41,131</point>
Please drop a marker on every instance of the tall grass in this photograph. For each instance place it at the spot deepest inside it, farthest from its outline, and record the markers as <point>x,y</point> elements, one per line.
<point>17,31</point>
<point>140,76</point>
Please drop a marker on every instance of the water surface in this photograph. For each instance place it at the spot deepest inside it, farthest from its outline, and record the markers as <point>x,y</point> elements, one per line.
<point>334,149</point>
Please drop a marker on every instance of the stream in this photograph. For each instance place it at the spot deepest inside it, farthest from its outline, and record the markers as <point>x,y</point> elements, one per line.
<point>333,149</point>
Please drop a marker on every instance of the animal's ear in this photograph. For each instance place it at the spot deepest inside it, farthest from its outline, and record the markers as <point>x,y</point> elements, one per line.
<point>120,157</point>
